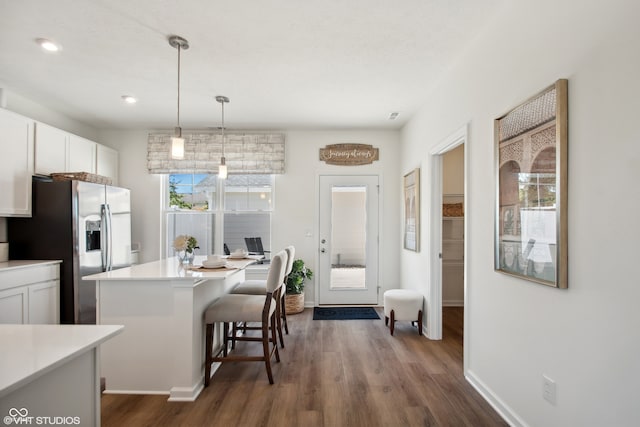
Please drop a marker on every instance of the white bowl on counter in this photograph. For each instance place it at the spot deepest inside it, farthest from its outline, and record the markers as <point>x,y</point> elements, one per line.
<point>238,254</point>
<point>214,264</point>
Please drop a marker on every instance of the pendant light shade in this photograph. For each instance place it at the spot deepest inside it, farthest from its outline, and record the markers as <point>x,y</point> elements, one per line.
<point>177,147</point>
<point>222,169</point>
<point>177,142</point>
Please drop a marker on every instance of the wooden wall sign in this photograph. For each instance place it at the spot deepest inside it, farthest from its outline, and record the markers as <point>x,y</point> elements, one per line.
<point>349,154</point>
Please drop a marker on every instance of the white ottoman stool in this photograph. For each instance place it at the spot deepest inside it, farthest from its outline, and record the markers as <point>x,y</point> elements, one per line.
<point>403,304</point>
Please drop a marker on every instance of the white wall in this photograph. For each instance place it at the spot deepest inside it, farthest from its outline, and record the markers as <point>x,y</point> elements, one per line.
<point>586,337</point>
<point>453,171</point>
<point>297,195</point>
<point>146,203</point>
<point>26,107</point>
<point>296,199</point>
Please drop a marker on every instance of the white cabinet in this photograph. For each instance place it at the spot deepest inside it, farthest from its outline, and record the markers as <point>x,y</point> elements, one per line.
<point>59,151</point>
<point>43,302</point>
<point>14,305</point>
<point>16,164</point>
<point>51,149</point>
<point>30,292</point>
<point>82,155</point>
<point>107,162</point>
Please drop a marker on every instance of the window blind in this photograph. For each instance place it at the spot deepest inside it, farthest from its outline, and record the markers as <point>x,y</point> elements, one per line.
<point>245,153</point>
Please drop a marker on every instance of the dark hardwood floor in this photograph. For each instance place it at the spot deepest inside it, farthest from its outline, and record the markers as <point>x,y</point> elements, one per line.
<point>332,373</point>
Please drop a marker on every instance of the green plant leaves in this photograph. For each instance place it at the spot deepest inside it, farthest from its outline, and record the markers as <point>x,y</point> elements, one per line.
<point>295,280</point>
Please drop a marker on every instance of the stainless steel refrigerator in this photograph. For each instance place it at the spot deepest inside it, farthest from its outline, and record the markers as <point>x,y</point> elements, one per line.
<point>87,226</point>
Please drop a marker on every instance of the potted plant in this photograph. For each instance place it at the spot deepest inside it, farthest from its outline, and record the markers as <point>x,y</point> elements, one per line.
<point>294,295</point>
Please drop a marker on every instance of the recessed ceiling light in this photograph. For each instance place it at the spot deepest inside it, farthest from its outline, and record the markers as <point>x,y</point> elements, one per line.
<point>129,99</point>
<point>48,45</point>
<point>394,115</point>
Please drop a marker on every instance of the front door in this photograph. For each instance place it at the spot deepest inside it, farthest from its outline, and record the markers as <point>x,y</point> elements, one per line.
<point>348,267</point>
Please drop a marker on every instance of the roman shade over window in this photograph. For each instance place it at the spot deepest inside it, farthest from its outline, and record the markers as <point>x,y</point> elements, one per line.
<point>246,153</point>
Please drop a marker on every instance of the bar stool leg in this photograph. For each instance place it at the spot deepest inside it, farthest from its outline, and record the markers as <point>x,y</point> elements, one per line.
<point>225,332</point>
<point>265,348</point>
<point>283,310</point>
<point>208,355</point>
<point>278,315</point>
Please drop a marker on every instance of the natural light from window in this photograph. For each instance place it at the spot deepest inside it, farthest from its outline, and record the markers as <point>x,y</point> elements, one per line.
<point>203,206</point>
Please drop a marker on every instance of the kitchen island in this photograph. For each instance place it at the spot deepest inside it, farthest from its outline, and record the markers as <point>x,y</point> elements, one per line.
<point>49,373</point>
<point>161,304</point>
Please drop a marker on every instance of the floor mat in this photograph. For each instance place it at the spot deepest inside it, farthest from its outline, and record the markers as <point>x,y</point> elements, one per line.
<point>344,313</point>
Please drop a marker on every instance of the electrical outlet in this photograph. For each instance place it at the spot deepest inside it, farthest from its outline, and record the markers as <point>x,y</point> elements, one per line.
<point>548,389</point>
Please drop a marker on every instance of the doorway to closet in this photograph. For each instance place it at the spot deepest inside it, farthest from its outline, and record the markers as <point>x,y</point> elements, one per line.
<point>449,163</point>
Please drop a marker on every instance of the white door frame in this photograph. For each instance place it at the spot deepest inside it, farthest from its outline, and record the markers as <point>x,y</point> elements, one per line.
<point>434,316</point>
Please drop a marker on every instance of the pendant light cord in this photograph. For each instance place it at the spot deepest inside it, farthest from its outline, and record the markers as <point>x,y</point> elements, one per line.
<point>223,164</point>
<point>222,128</point>
<point>179,48</point>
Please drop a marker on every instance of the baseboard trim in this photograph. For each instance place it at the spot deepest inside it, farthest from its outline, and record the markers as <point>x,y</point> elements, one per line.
<point>496,403</point>
<point>153,392</point>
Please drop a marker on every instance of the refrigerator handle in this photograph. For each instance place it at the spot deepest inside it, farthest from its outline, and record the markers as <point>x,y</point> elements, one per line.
<point>109,236</point>
<point>104,230</point>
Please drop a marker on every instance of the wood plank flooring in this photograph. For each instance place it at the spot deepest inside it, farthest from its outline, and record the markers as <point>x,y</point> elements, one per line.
<point>332,373</point>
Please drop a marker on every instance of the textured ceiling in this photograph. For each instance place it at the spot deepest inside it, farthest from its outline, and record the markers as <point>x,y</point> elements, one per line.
<point>282,63</point>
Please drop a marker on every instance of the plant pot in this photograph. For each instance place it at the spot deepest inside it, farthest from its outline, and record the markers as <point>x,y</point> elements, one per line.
<point>294,303</point>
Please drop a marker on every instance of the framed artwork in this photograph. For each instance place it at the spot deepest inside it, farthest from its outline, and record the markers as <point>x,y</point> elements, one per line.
<point>412,210</point>
<point>531,210</point>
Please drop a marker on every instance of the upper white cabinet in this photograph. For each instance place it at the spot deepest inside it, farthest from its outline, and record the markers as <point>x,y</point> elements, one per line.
<point>82,155</point>
<point>107,162</point>
<point>59,151</point>
<point>16,163</point>
<point>51,149</point>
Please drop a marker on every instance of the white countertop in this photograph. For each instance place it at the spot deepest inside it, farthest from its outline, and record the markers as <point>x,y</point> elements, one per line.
<point>29,351</point>
<point>15,264</point>
<point>170,269</point>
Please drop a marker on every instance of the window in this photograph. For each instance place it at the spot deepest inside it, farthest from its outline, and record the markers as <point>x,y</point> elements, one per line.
<point>192,191</point>
<point>248,193</point>
<point>194,208</point>
<point>238,226</point>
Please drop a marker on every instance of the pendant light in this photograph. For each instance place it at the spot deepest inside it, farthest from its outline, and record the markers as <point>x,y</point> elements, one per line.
<point>222,169</point>
<point>177,142</point>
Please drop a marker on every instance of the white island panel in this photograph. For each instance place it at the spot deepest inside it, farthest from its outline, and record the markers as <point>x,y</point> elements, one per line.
<point>162,306</point>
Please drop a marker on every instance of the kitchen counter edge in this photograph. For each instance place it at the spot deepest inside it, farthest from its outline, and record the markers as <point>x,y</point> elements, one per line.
<point>17,264</point>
